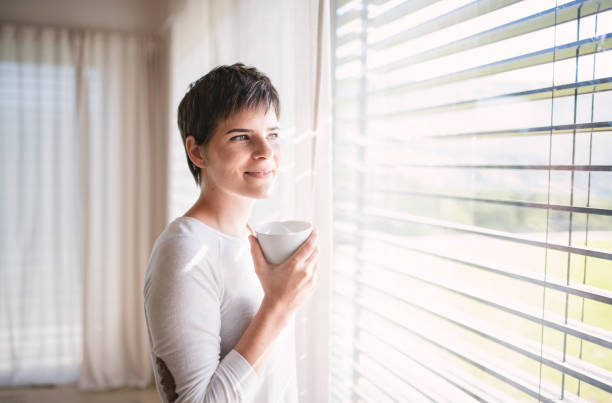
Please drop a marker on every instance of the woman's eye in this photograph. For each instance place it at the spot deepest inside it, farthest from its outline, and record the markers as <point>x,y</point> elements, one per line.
<point>242,137</point>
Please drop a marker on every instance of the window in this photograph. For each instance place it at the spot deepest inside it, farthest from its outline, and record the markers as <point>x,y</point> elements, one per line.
<point>40,265</point>
<point>472,200</point>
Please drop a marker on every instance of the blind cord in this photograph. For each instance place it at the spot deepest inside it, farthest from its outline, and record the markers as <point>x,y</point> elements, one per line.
<point>588,200</point>
<point>550,140</point>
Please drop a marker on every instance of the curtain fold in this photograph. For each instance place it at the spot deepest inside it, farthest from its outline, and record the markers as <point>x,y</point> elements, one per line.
<point>123,89</point>
<point>100,146</point>
<point>40,213</point>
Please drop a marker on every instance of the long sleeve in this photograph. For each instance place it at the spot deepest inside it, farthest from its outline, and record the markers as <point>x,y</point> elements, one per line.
<point>183,311</point>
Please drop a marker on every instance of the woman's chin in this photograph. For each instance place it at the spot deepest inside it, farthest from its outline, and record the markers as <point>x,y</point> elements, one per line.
<point>261,193</point>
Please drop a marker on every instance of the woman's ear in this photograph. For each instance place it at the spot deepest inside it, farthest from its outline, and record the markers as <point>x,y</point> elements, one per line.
<point>195,152</point>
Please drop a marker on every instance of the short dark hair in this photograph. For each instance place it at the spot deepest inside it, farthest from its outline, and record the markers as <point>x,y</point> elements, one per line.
<point>222,92</point>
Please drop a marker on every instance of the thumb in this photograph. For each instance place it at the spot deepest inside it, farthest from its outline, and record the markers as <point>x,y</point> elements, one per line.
<point>256,252</point>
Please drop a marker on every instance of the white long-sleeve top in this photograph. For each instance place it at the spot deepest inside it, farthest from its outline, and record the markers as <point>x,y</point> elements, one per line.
<point>201,292</point>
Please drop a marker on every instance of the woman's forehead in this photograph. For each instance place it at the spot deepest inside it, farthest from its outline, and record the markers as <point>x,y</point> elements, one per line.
<point>251,116</point>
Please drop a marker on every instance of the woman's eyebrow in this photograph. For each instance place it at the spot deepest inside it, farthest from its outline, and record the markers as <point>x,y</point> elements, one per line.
<point>239,131</point>
<point>249,130</point>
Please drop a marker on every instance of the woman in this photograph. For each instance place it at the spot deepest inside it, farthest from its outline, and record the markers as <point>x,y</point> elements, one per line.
<point>220,319</point>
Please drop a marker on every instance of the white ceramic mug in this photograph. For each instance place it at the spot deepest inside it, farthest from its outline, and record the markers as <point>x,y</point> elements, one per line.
<point>279,239</point>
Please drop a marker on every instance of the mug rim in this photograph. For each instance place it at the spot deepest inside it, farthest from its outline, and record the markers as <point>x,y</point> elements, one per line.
<point>306,226</point>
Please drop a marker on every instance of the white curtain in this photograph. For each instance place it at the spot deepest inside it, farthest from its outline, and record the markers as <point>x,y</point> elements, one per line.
<point>40,210</point>
<point>83,186</point>
<point>289,41</point>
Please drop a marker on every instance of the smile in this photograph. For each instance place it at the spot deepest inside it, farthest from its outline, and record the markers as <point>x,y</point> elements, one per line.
<point>260,174</point>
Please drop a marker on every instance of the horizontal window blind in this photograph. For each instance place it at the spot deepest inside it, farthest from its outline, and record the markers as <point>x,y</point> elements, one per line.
<point>472,200</point>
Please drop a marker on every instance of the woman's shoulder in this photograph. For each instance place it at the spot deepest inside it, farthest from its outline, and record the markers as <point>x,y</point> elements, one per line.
<point>187,243</point>
<point>187,227</point>
<point>183,243</point>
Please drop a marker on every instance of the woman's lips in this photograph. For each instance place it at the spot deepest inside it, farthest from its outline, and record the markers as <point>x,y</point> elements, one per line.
<point>260,174</point>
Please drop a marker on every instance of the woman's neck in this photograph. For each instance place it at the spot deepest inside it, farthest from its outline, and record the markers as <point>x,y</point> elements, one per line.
<point>226,213</point>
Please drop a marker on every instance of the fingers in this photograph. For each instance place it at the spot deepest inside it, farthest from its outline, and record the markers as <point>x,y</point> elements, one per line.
<point>306,249</point>
<point>256,252</point>
<point>314,256</point>
<point>315,272</point>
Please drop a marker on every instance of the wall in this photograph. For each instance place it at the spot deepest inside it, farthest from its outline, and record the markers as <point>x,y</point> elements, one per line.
<point>140,16</point>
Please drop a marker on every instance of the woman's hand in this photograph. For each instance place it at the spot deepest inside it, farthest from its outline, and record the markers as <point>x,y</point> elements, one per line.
<point>286,287</point>
<point>288,284</point>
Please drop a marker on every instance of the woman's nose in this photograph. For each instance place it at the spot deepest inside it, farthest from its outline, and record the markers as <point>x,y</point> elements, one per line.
<point>263,149</point>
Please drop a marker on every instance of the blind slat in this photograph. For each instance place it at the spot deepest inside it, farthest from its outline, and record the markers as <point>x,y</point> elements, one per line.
<point>428,394</point>
<point>506,236</point>
<point>473,387</point>
<point>565,90</point>
<point>550,320</point>
<point>519,379</point>
<point>394,166</point>
<point>542,130</point>
<point>602,379</point>
<point>593,127</point>
<point>515,203</point>
<point>566,51</point>
<point>558,91</point>
<point>439,367</point>
<point>361,393</point>
<point>580,290</point>
<point>469,11</point>
<point>400,11</point>
<point>535,22</point>
<point>348,17</point>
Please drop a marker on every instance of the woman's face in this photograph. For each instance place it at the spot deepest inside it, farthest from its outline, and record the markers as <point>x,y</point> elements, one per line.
<point>242,156</point>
